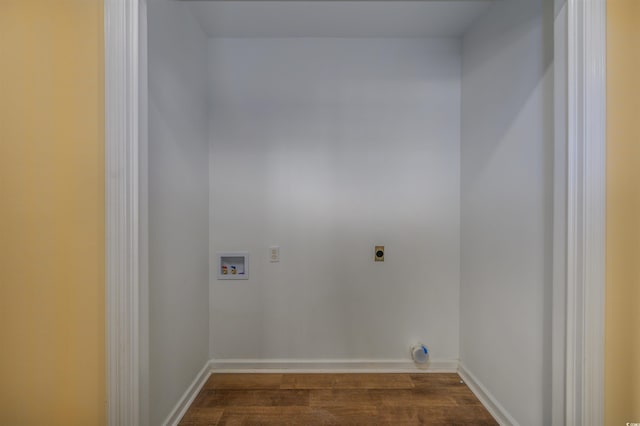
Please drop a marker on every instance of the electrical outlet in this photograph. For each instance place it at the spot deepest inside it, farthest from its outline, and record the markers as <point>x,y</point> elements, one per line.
<point>274,254</point>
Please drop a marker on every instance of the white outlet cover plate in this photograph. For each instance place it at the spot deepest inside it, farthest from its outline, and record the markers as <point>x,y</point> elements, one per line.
<point>274,254</point>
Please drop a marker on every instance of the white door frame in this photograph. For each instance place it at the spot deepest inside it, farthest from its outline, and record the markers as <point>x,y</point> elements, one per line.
<point>586,207</point>
<point>122,197</point>
<point>585,222</point>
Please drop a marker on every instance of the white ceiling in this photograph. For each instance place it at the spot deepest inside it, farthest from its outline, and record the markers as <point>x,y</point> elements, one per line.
<point>390,18</point>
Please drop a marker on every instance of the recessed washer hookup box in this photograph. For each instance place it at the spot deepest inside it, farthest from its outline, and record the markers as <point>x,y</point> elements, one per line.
<point>233,266</point>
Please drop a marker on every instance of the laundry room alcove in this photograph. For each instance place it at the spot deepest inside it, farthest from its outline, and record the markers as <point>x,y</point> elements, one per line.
<point>324,129</point>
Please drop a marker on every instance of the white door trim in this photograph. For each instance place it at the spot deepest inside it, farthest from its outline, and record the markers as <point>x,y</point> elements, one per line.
<point>121,31</point>
<point>585,210</point>
<point>586,205</point>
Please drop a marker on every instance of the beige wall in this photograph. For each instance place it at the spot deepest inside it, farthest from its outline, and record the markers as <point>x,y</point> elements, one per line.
<point>622,351</point>
<point>52,332</point>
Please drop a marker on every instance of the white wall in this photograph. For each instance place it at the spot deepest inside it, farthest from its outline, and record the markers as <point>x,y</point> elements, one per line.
<point>178,204</point>
<point>507,206</point>
<point>327,147</point>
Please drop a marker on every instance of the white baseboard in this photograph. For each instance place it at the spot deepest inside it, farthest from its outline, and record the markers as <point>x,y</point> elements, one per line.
<point>329,366</point>
<point>187,398</point>
<point>489,401</point>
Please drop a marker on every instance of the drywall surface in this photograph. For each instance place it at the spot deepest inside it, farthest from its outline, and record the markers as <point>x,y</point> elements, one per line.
<point>622,321</point>
<point>560,179</point>
<point>52,327</point>
<point>507,206</point>
<point>326,148</point>
<point>178,205</point>
<point>338,18</point>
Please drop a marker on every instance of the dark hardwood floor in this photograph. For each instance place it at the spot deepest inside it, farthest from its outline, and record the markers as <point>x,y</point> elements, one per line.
<point>336,399</point>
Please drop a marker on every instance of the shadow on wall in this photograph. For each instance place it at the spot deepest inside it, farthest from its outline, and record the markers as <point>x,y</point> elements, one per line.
<point>507,204</point>
<point>508,36</point>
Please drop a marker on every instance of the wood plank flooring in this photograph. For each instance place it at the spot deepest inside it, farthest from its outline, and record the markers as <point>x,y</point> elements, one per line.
<point>336,399</point>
